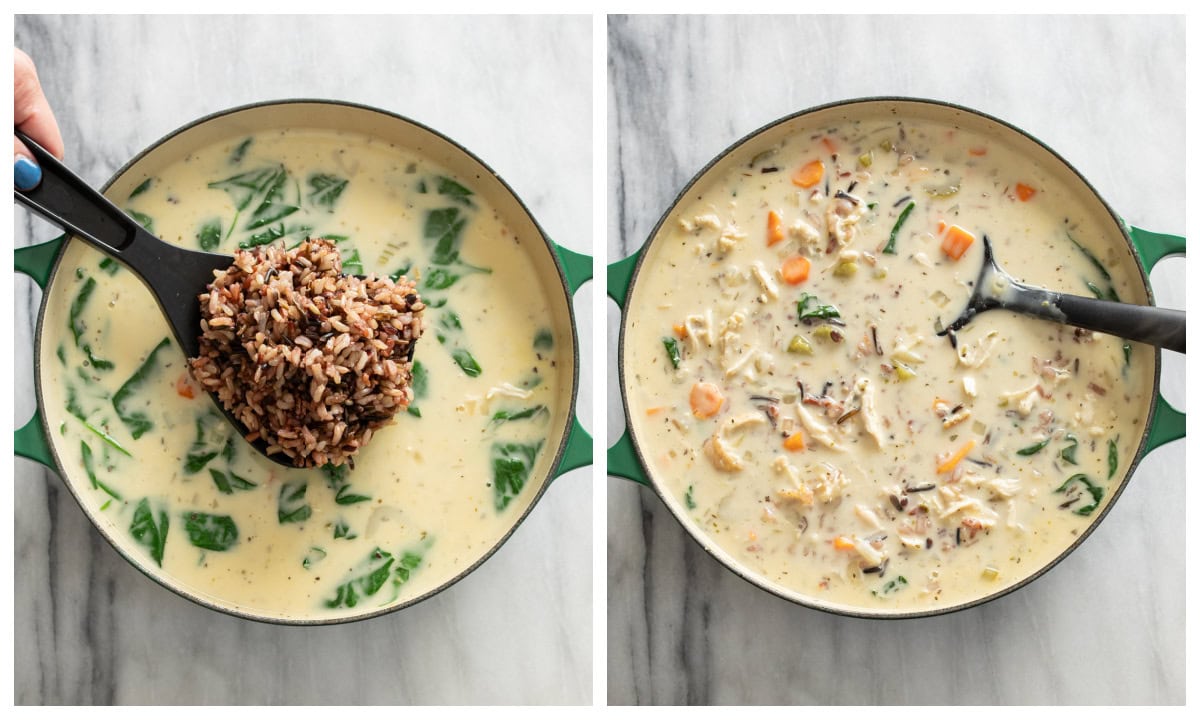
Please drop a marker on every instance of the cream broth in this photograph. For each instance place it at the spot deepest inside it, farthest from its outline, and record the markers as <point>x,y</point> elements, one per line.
<point>790,395</point>
<point>155,464</point>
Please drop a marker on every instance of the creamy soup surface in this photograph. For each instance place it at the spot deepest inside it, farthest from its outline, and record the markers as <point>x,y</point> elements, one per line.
<point>430,495</point>
<point>790,393</point>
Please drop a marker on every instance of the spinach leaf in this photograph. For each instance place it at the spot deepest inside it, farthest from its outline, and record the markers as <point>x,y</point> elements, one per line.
<point>1094,490</point>
<point>272,208</point>
<point>313,556</point>
<point>466,361</point>
<point>443,228</point>
<point>506,415</point>
<point>1034,448</point>
<point>342,530</point>
<point>89,467</point>
<point>1095,290</point>
<point>273,233</point>
<point>142,219</point>
<point>689,499</point>
<point>400,272</point>
<point>228,483</point>
<point>372,574</point>
<point>325,189</point>
<point>819,312</point>
<point>338,479</point>
<point>136,420</point>
<point>148,533</point>
<point>1112,458</point>
<point>1068,453</point>
<point>292,508</point>
<point>543,339</point>
<point>244,187</point>
<point>78,327</point>
<point>239,152</point>
<point>531,381</point>
<point>212,437</point>
<point>672,351</point>
<point>110,266</point>
<point>141,188</point>
<point>454,191</point>
<point>210,532</point>
<point>891,586</point>
<point>209,235</point>
<point>352,263</point>
<point>511,465</point>
<point>1087,253</point>
<point>420,387</point>
<point>890,248</point>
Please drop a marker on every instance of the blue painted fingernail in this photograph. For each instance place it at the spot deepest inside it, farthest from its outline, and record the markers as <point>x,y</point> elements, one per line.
<point>26,173</point>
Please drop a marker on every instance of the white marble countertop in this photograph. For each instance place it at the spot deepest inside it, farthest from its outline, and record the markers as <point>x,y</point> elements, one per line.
<point>89,627</point>
<point>1105,626</point>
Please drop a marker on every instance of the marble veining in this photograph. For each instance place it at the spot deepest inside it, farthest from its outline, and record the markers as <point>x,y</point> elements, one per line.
<point>1106,625</point>
<point>90,629</point>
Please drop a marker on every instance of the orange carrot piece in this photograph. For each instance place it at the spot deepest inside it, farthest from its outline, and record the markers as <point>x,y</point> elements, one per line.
<point>829,144</point>
<point>184,388</point>
<point>810,174</point>
<point>680,331</point>
<point>956,242</point>
<point>655,410</point>
<point>841,542</point>
<point>706,400</point>
<point>941,226</point>
<point>952,462</point>
<point>1024,192</point>
<point>774,228</point>
<point>795,269</point>
<point>794,442</point>
<point>978,151</point>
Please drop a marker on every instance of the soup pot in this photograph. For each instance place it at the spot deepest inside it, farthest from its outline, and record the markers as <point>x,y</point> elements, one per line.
<point>628,458</point>
<point>567,445</point>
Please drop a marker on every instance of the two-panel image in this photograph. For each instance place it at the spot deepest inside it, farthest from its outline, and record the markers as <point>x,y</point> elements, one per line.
<point>318,400</point>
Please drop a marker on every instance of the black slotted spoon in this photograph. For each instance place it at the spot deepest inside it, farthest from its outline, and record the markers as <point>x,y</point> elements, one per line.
<point>996,289</point>
<point>175,276</point>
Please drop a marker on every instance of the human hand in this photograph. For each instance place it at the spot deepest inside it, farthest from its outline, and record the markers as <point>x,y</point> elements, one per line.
<point>31,115</point>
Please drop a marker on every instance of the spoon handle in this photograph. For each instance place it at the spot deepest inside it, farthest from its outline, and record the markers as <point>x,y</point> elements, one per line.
<point>63,198</point>
<point>1157,326</point>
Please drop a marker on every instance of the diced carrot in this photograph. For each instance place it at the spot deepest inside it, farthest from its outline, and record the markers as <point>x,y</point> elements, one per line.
<point>680,331</point>
<point>184,388</point>
<point>810,174</point>
<point>829,144</point>
<point>941,226</point>
<point>952,462</point>
<point>841,542</point>
<point>655,410</point>
<point>794,442</point>
<point>795,269</point>
<point>956,242</point>
<point>1024,192</point>
<point>774,228</point>
<point>978,151</point>
<point>706,400</point>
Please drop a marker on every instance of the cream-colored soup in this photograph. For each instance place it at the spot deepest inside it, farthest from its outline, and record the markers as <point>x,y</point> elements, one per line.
<point>816,431</point>
<point>156,464</point>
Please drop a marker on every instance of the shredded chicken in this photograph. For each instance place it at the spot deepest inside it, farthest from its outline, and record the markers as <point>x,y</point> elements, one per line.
<point>818,430</point>
<point>700,222</point>
<point>803,231</point>
<point>1024,399</point>
<point>730,237</point>
<point>768,285</point>
<point>720,451</point>
<point>841,218</point>
<point>975,355</point>
<point>868,413</point>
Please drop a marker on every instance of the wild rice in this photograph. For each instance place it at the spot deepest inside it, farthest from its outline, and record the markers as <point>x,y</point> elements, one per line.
<point>308,359</point>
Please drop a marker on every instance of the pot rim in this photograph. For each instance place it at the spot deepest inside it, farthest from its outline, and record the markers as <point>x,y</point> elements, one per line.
<point>172,584</point>
<point>744,572</point>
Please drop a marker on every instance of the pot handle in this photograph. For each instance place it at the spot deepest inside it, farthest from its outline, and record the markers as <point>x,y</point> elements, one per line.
<point>1167,424</point>
<point>36,261</point>
<point>577,268</point>
<point>622,457</point>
